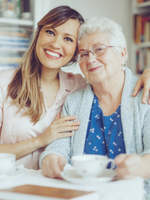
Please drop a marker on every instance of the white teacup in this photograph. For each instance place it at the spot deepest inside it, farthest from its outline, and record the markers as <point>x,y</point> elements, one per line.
<point>7,162</point>
<point>8,14</point>
<point>90,165</point>
<point>26,15</point>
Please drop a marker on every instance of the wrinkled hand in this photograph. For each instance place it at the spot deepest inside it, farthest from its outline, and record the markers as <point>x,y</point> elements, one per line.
<point>144,81</point>
<point>128,166</point>
<point>53,165</point>
<point>58,129</point>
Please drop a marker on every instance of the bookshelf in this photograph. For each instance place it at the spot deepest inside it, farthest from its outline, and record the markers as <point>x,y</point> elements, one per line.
<point>143,4</point>
<point>15,32</point>
<point>140,45</point>
<point>16,22</point>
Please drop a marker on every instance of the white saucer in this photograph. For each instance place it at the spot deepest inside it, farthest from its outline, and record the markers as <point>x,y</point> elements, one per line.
<point>73,177</point>
<point>15,172</point>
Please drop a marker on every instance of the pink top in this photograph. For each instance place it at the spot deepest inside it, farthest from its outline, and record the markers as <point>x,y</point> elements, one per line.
<point>15,128</point>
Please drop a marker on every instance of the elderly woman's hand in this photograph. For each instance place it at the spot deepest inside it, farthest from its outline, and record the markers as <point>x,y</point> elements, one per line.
<point>53,165</point>
<point>144,81</point>
<point>128,166</point>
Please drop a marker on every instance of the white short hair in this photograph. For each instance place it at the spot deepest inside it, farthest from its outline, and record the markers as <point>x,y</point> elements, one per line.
<point>109,28</point>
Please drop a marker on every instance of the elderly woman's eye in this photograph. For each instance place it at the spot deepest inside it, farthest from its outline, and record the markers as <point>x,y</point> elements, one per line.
<point>98,49</point>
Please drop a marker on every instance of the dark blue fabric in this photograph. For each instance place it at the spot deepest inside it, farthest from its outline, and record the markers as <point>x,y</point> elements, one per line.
<point>104,133</point>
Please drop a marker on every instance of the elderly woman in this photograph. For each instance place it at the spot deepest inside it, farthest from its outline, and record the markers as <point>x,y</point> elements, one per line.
<point>112,122</point>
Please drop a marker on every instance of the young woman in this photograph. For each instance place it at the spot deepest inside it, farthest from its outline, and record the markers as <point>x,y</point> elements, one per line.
<point>31,97</point>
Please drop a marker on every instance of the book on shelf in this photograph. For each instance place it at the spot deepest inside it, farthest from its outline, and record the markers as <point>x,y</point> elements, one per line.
<point>134,27</point>
<point>138,29</point>
<point>146,27</point>
<point>10,59</point>
<point>14,38</point>
<point>142,60</point>
<point>147,58</point>
<point>15,31</point>
<point>6,67</point>
<point>147,31</point>
<point>11,54</point>
<point>14,34</point>
<point>13,44</point>
<point>14,41</point>
<point>32,192</point>
<point>9,62</point>
<point>141,1</point>
<point>6,38</point>
<point>19,49</point>
<point>142,28</point>
<point>139,68</point>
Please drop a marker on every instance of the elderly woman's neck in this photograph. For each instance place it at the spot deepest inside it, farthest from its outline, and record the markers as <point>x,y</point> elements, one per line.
<point>109,93</point>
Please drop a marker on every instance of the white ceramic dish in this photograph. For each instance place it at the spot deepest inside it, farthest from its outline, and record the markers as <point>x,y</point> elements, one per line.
<point>73,177</point>
<point>7,162</point>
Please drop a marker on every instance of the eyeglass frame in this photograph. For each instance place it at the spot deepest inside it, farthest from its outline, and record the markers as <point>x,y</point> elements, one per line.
<point>107,46</point>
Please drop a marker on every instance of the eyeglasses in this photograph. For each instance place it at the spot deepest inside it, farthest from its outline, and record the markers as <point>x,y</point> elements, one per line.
<point>96,51</point>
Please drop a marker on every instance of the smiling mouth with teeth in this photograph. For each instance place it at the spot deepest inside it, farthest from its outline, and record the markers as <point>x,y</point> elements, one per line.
<point>53,54</point>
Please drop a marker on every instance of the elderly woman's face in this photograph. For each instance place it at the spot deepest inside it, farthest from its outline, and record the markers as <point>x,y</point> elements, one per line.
<point>102,67</point>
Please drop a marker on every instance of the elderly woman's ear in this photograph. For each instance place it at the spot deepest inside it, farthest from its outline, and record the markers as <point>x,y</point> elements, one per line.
<point>123,56</point>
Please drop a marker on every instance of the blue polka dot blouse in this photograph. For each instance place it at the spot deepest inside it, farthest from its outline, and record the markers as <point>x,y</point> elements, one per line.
<point>104,133</point>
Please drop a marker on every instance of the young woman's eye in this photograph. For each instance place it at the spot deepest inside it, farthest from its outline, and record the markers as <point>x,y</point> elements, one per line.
<point>50,32</point>
<point>68,39</point>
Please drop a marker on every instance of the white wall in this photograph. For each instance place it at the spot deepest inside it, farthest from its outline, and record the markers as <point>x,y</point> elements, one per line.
<point>118,10</point>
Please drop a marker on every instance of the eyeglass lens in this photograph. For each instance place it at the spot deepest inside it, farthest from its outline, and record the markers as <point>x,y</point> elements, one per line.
<point>97,51</point>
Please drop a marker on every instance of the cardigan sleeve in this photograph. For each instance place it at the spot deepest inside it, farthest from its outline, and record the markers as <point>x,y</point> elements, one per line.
<point>60,146</point>
<point>146,132</point>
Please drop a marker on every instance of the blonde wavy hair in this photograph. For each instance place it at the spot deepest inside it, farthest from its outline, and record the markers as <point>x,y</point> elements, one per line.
<point>24,89</point>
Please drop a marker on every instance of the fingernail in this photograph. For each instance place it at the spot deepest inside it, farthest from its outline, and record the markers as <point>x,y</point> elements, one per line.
<point>144,101</point>
<point>134,94</point>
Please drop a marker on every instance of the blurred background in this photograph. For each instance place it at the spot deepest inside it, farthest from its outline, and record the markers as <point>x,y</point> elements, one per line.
<point>18,21</point>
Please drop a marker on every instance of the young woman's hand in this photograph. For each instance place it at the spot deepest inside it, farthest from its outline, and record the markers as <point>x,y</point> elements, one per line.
<point>59,128</point>
<point>53,165</point>
<point>144,81</point>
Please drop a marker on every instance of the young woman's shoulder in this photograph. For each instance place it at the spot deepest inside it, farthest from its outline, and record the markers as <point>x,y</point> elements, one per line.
<point>73,81</point>
<point>6,76</point>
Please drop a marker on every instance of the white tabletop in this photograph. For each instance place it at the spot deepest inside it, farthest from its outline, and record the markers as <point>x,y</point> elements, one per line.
<point>132,189</point>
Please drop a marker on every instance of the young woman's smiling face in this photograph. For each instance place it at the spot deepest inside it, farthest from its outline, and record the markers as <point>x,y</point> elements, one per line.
<point>56,46</point>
